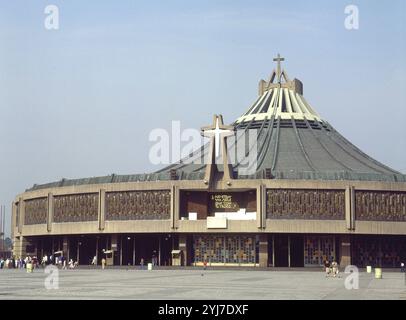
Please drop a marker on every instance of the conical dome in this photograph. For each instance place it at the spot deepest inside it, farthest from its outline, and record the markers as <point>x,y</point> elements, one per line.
<point>294,142</point>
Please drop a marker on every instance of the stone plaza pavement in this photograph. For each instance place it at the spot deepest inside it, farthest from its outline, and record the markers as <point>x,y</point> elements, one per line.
<point>197,284</point>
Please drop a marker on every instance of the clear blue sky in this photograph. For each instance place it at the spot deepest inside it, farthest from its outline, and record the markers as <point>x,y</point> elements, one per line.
<point>81,101</point>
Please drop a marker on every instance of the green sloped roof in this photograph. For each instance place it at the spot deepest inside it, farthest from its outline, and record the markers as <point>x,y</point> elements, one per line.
<point>293,142</point>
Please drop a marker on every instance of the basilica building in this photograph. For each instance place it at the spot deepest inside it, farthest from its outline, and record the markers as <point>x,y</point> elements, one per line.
<point>278,187</point>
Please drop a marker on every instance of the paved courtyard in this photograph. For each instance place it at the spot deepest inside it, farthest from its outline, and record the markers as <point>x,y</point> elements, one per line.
<point>196,284</point>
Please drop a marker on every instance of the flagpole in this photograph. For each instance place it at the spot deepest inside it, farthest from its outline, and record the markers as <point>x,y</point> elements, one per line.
<point>4,225</point>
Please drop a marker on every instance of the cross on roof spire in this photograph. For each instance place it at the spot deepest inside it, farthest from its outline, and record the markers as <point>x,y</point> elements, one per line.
<point>278,67</point>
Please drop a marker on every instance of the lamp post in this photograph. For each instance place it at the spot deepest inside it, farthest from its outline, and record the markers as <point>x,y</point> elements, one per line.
<point>166,248</point>
<point>128,250</point>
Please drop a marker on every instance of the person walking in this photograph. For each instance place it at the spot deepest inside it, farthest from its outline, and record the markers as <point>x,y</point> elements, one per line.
<point>327,267</point>
<point>103,263</point>
<point>142,263</point>
<point>334,266</point>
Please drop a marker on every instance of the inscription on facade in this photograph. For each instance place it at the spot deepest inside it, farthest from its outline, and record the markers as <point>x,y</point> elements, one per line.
<point>232,202</point>
<point>224,201</point>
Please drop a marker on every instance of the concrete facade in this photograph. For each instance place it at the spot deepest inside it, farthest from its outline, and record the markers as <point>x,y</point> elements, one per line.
<point>185,228</point>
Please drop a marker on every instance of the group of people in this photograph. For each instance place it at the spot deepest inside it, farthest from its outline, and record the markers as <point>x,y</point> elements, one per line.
<point>20,263</point>
<point>104,262</point>
<point>12,263</point>
<point>331,269</point>
<point>59,261</point>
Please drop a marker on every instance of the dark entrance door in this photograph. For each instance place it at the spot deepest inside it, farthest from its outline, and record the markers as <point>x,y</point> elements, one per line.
<point>281,251</point>
<point>146,248</point>
<point>166,250</point>
<point>296,251</point>
<point>87,249</point>
<point>127,250</point>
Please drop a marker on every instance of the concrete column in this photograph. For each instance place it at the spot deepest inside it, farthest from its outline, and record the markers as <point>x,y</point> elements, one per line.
<point>21,214</point>
<point>19,248</point>
<point>263,250</point>
<point>175,198</point>
<point>261,207</point>
<point>352,193</point>
<point>65,247</point>
<point>350,207</point>
<point>173,207</point>
<point>345,251</point>
<point>273,250</point>
<point>13,219</point>
<point>114,242</point>
<point>263,191</point>
<point>183,246</point>
<point>102,209</point>
<point>50,211</point>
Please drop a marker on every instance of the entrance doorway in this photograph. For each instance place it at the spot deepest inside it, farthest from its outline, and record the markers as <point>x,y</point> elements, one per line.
<point>127,250</point>
<point>87,249</point>
<point>289,250</point>
<point>296,251</point>
<point>155,248</point>
<point>281,250</point>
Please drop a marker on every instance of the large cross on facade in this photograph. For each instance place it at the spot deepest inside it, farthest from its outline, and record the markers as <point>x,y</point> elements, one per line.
<point>278,59</point>
<point>217,133</point>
